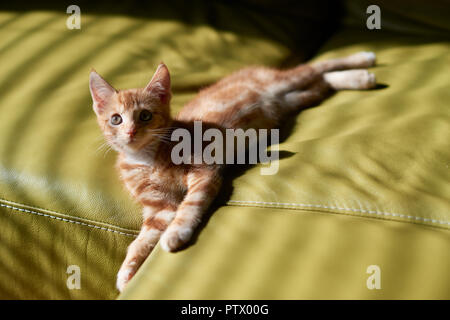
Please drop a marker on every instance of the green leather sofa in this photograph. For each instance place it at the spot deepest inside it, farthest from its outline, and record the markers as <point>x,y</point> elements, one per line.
<point>364,178</point>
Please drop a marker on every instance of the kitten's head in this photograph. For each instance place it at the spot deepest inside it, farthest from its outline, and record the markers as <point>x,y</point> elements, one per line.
<point>132,119</point>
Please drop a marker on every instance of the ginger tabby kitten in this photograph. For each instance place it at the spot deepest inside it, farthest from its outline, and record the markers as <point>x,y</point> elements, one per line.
<point>138,125</point>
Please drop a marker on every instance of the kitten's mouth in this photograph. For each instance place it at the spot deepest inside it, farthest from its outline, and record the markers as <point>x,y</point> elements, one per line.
<point>133,143</point>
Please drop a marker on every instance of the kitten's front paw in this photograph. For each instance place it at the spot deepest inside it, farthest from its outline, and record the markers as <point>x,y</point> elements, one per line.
<point>174,238</point>
<point>123,276</point>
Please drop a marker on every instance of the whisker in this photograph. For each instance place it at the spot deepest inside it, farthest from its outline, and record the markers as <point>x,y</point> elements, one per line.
<point>107,151</point>
<point>101,146</point>
<point>159,130</point>
<point>162,138</point>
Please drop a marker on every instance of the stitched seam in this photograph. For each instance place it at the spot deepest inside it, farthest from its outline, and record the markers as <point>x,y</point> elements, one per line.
<point>305,205</point>
<point>49,212</point>
<point>66,220</point>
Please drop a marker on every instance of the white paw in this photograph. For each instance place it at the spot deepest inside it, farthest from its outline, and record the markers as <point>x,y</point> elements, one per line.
<point>368,55</point>
<point>371,80</point>
<point>123,276</point>
<point>357,79</point>
<point>174,238</point>
<point>365,58</point>
<point>366,80</point>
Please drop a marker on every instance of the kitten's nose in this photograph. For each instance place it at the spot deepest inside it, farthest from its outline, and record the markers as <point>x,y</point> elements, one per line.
<point>132,132</point>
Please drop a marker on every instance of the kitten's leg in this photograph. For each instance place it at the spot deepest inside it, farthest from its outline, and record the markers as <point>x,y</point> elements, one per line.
<point>304,76</point>
<point>155,222</point>
<point>355,61</point>
<point>350,79</point>
<point>307,97</point>
<point>203,186</point>
<point>338,80</point>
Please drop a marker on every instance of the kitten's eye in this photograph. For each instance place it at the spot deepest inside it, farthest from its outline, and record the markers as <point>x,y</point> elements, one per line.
<point>116,120</point>
<point>145,115</point>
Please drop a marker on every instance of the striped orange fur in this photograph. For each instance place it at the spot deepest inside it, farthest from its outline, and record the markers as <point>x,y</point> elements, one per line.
<point>137,124</point>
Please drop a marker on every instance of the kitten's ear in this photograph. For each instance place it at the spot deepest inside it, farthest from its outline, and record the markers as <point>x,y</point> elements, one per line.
<point>101,91</point>
<point>160,83</point>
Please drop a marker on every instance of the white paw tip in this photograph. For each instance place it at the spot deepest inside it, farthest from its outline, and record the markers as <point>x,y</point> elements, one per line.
<point>371,81</point>
<point>120,287</point>
<point>172,240</point>
<point>164,245</point>
<point>369,56</point>
<point>164,242</point>
<point>122,278</point>
<point>185,234</point>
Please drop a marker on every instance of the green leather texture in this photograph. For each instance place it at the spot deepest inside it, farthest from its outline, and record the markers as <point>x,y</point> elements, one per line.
<point>363,177</point>
<point>266,253</point>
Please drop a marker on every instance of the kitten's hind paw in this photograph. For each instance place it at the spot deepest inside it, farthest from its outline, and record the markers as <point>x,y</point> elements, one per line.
<point>175,238</point>
<point>363,59</point>
<point>357,79</point>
